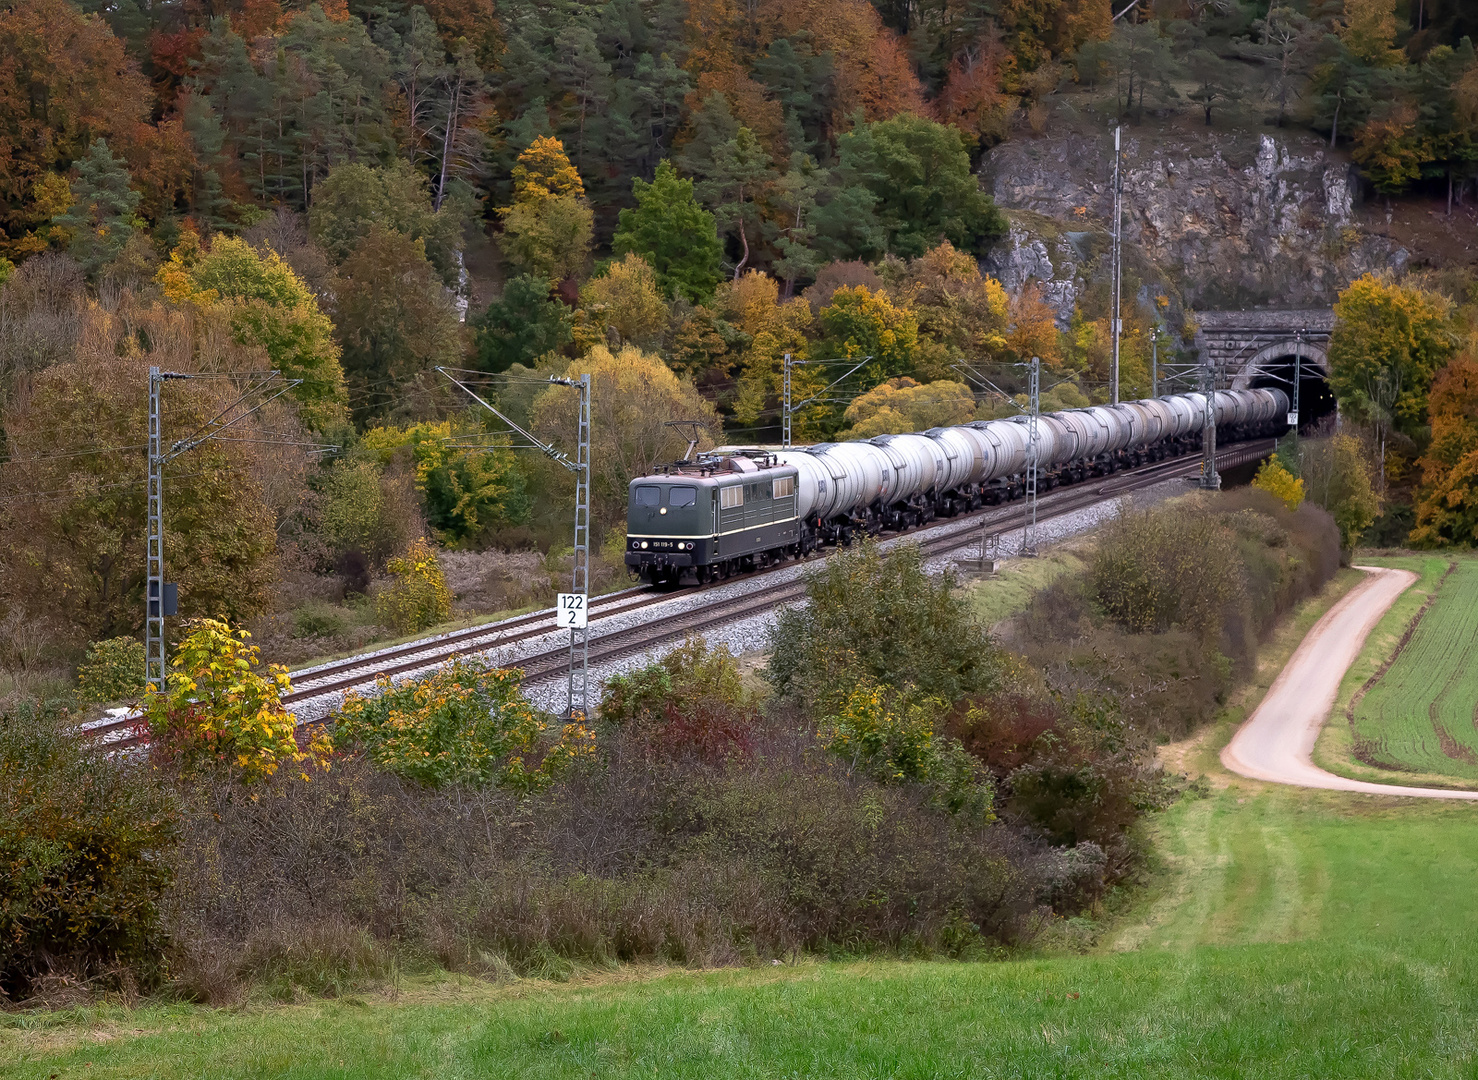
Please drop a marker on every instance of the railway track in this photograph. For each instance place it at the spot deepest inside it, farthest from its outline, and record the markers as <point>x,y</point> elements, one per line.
<point>335,678</point>
<point>548,664</point>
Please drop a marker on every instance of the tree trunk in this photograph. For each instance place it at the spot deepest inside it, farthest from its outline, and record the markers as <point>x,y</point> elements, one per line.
<point>453,107</point>
<point>743,239</point>
<point>1334,127</point>
<point>1449,193</point>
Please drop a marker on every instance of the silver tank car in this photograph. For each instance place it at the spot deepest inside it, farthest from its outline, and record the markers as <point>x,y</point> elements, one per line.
<point>767,505</point>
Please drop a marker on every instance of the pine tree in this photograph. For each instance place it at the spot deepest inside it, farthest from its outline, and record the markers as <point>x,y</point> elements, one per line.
<point>737,174</point>
<point>101,219</point>
<point>676,235</point>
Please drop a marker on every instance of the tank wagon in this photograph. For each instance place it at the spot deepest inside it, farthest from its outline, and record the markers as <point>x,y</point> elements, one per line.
<point>729,513</point>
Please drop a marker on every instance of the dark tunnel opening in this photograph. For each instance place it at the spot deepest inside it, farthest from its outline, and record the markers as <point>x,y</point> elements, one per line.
<point>1315,399</point>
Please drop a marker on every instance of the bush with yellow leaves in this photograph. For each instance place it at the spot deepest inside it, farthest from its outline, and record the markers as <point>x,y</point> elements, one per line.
<point>1277,481</point>
<point>466,724</point>
<point>890,736</point>
<point>419,596</point>
<point>218,712</point>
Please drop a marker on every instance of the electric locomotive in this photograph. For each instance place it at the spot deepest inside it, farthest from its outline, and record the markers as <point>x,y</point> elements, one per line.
<point>712,516</point>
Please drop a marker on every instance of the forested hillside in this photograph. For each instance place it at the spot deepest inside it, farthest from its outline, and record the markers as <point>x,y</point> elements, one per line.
<point>671,194</point>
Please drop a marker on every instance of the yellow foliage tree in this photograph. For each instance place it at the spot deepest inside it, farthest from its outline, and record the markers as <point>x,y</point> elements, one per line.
<point>633,395</point>
<point>625,299</point>
<point>761,381</point>
<point>544,171</point>
<point>901,405</point>
<point>1369,29</point>
<point>266,306</point>
<point>961,313</point>
<point>419,596</point>
<point>217,711</point>
<point>1277,481</point>
<point>749,301</point>
<point>547,229</point>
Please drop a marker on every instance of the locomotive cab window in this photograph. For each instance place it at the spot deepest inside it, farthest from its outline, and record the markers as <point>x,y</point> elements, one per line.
<point>731,497</point>
<point>682,496</point>
<point>782,487</point>
<point>648,496</point>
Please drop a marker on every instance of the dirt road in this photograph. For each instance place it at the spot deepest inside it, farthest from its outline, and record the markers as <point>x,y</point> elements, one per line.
<point>1277,742</point>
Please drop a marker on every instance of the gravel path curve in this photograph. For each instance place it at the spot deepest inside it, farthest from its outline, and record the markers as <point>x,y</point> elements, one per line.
<point>1276,743</point>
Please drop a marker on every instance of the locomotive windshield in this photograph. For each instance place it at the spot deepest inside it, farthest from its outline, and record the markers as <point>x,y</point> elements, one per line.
<point>664,509</point>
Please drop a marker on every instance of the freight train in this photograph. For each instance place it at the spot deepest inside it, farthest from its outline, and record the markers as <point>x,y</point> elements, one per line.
<point>724,513</point>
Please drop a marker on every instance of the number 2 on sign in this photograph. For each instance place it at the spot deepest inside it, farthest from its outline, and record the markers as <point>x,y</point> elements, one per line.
<point>570,611</point>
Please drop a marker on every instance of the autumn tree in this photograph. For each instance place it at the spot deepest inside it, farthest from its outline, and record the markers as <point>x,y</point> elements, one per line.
<point>673,233</point>
<point>624,300</point>
<point>465,490</point>
<point>1447,507</point>
<point>860,323</point>
<point>633,396</point>
<point>961,314</point>
<point>902,404</point>
<point>267,306</point>
<point>1389,341</point>
<point>72,523</point>
<point>65,80</point>
<point>1034,327</point>
<point>547,229</point>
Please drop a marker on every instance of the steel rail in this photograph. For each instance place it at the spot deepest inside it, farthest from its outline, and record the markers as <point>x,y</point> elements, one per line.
<point>364,671</point>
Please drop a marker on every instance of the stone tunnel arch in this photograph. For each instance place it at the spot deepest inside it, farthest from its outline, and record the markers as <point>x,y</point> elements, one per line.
<point>1273,366</point>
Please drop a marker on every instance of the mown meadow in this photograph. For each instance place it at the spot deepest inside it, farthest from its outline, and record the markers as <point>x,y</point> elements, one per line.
<point>1287,934</point>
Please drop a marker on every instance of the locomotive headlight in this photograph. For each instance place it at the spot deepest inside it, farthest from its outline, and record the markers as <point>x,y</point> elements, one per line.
<point>635,544</point>
<point>644,545</point>
<point>663,510</point>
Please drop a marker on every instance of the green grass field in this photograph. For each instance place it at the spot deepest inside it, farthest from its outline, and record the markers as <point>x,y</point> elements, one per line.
<point>1288,934</point>
<point>1419,714</point>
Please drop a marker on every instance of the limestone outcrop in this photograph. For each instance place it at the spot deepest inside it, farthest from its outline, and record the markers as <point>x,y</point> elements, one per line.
<point>1219,220</point>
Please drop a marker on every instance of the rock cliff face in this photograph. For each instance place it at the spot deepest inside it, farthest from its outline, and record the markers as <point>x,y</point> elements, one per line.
<point>1220,221</point>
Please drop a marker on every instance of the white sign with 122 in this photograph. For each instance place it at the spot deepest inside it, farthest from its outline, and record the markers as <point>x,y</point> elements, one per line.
<point>570,611</point>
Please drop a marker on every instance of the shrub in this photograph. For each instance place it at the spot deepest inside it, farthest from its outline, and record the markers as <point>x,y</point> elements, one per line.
<point>1175,601</point>
<point>466,724</point>
<point>880,617</point>
<point>691,702</point>
<point>639,860</point>
<point>218,713</point>
<point>1069,766</point>
<point>86,844</point>
<point>112,671</point>
<point>1277,481</point>
<point>890,737</point>
<point>419,596</point>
